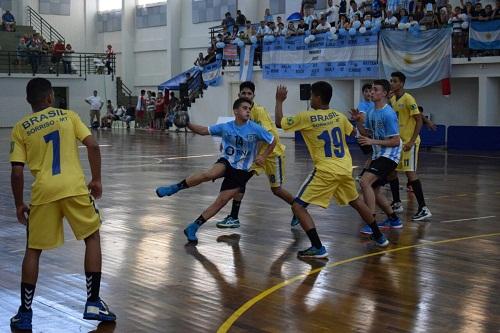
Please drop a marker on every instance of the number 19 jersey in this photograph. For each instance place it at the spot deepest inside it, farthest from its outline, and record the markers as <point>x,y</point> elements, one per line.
<point>324,133</point>
<point>47,142</point>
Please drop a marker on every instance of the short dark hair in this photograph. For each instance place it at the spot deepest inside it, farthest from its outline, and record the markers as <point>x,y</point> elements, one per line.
<point>322,89</point>
<point>399,75</point>
<point>366,86</point>
<point>143,91</point>
<point>384,84</point>
<point>247,84</point>
<point>37,89</point>
<point>237,103</point>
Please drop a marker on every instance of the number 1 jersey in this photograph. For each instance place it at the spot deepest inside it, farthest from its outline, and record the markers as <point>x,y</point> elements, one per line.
<point>47,142</point>
<point>324,132</point>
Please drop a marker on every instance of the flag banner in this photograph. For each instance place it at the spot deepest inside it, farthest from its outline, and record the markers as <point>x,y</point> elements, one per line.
<point>424,58</point>
<point>212,73</point>
<point>246,62</point>
<point>323,57</point>
<point>484,35</point>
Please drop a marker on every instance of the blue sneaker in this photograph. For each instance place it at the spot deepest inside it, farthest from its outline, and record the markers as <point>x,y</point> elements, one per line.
<point>381,241</point>
<point>313,252</point>
<point>98,310</point>
<point>167,190</point>
<point>366,230</point>
<point>190,232</point>
<point>22,320</point>
<point>295,221</point>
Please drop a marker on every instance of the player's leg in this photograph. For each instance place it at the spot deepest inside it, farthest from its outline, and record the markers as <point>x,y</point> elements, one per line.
<point>232,220</point>
<point>413,181</point>
<point>367,216</point>
<point>366,182</point>
<point>84,219</point>
<point>215,172</point>
<point>396,204</point>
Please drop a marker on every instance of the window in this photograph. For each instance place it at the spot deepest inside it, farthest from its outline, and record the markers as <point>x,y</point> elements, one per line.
<point>151,15</point>
<point>108,5</point>
<point>210,10</point>
<point>147,2</point>
<point>277,6</point>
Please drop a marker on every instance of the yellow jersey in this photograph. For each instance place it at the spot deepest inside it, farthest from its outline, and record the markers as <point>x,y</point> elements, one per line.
<point>324,132</point>
<point>406,107</point>
<point>47,142</point>
<point>259,115</point>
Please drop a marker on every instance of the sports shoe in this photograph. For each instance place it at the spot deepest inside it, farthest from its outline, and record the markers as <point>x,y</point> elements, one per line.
<point>228,222</point>
<point>190,232</point>
<point>422,214</point>
<point>22,320</point>
<point>313,252</point>
<point>388,223</point>
<point>381,241</point>
<point>397,207</point>
<point>98,310</point>
<point>295,221</point>
<point>167,190</point>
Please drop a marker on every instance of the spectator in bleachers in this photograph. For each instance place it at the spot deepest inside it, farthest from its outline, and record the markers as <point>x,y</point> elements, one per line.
<point>332,13</point>
<point>279,20</point>
<point>280,31</point>
<point>130,115</point>
<point>314,27</point>
<point>443,17</point>
<point>353,10</point>
<point>419,11</point>
<point>308,7</point>
<point>267,16</point>
<point>323,25</point>
<point>262,30</point>
<point>429,21</point>
<point>34,47</point>
<point>240,19</point>
<point>441,4</point>
<point>67,59</point>
<point>290,30</point>
<point>57,54</point>
<point>343,22</point>
<point>403,16</point>
<point>228,22</point>
<point>47,49</point>
<point>272,29</point>
<point>109,58</point>
<point>8,21</point>
<point>249,30</point>
<point>486,14</point>
<point>302,27</point>
<point>107,119</point>
<point>159,111</point>
<point>390,21</point>
<point>21,52</point>
<point>200,61</point>
<point>211,56</point>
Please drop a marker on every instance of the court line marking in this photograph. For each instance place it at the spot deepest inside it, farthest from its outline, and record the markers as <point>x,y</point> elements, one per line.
<point>470,219</point>
<point>245,307</point>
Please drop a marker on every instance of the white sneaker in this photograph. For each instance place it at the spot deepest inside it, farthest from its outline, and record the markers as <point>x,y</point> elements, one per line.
<point>228,222</point>
<point>422,214</point>
<point>397,207</point>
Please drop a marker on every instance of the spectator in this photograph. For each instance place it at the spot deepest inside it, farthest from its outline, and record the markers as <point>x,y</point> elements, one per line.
<point>441,4</point>
<point>308,7</point>
<point>21,52</point>
<point>159,111</point>
<point>263,29</point>
<point>228,22</point>
<point>487,14</point>
<point>130,114</point>
<point>200,61</point>
<point>107,120</point>
<point>353,10</point>
<point>57,54</point>
<point>109,58</point>
<point>343,22</point>
<point>443,17</point>
<point>290,29</point>
<point>279,20</point>
<point>151,106</point>
<point>96,105</point>
<point>332,13</point>
<point>172,104</point>
<point>390,21</point>
<point>419,11</point>
<point>249,30</point>
<point>240,19</point>
<point>403,16</point>
<point>281,31</point>
<point>302,27</point>
<point>8,21</point>
<point>314,27</point>
<point>267,16</point>
<point>210,57</point>
<point>119,113</point>
<point>34,47</point>
<point>47,49</point>
<point>67,59</point>
<point>429,21</point>
<point>324,25</point>
<point>496,12</point>
<point>140,109</point>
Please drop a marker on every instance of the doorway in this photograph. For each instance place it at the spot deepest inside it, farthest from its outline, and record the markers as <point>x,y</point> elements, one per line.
<point>61,97</point>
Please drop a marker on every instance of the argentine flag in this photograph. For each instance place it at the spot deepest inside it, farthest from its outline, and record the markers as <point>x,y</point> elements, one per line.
<point>212,73</point>
<point>246,62</point>
<point>484,35</point>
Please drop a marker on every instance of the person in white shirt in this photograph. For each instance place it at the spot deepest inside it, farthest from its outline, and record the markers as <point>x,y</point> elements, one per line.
<point>96,104</point>
<point>332,13</point>
<point>323,25</point>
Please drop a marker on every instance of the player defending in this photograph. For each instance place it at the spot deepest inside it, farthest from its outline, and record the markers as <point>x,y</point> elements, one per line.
<point>324,131</point>
<point>274,166</point>
<point>45,140</point>
<point>410,123</point>
<point>239,150</point>
<point>382,125</point>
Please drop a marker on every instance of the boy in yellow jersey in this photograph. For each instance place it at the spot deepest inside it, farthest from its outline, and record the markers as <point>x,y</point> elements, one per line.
<point>46,141</point>
<point>410,123</point>
<point>324,131</point>
<point>274,166</point>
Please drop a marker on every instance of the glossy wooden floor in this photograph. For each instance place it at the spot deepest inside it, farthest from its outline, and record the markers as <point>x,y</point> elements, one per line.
<point>156,284</point>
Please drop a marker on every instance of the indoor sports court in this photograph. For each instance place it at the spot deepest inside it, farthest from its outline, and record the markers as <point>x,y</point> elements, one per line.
<point>435,276</point>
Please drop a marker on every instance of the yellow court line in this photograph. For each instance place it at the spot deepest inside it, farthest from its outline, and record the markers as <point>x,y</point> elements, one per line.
<point>240,311</point>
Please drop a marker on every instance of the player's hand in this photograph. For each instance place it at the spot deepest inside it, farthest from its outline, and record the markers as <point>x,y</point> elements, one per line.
<point>355,114</point>
<point>364,141</point>
<point>430,125</point>
<point>95,188</point>
<point>259,160</point>
<point>407,146</point>
<point>281,93</point>
<point>22,213</point>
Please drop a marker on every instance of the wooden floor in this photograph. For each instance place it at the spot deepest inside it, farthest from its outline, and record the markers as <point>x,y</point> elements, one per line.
<point>156,284</point>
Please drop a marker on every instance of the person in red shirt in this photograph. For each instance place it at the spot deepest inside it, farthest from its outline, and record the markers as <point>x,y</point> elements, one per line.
<point>110,54</point>
<point>159,111</point>
<point>57,54</point>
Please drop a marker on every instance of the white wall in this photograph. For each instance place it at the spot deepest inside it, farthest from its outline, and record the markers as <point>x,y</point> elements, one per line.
<point>13,105</point>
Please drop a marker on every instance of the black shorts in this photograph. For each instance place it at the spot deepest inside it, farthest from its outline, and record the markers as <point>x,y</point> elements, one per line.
<point>234,178</point>
<point>382,167</point>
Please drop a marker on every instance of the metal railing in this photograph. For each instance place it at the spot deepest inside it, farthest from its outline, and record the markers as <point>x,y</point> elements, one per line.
<point>124,90</point>
<point>190,90</point>
<point>43,27</point>
<point>36,63</point>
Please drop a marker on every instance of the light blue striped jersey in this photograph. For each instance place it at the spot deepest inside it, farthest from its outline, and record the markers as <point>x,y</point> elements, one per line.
<point>239,143</point>
<point>383,123</point>
<point>366,106</point>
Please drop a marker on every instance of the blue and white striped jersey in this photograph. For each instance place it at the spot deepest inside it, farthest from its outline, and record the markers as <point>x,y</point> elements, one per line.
<point>383,123</point>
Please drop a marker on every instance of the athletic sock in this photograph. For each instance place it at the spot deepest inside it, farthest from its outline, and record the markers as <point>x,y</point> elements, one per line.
<point>235,209</point>
<point>375,229</point>
<point>314,238</point>
<point>395,190</point>
<point>93,285</point>
<point>362,172</point>
<point>182,185</point>
<point>393,216</point>
<point>27,294</point>
<point>200,220</point>
<point>419,194</point>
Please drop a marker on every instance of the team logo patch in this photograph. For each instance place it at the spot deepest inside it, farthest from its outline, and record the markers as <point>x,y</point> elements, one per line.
<point>12,144</point>
<point>290,120</point>
<point>251,138</point>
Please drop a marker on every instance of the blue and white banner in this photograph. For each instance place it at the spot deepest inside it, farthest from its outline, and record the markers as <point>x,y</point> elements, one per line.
<point>484,35</point>
<point>246,62</point>
<point>292,58</point>
<point>212,73</point>
<point>424,57</point>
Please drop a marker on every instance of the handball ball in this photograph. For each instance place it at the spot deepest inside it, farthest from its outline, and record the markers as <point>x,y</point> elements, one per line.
<point>181,119</point>
<point>362,30</point>
<point>465,25</point>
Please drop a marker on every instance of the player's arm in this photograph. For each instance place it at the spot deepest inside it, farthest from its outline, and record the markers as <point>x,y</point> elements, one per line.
<point>359,117</point>
<point>87,101</point>
<point>415,113</point>
<point>198,129</point>
<point>281,94</point>
<point>17,184</point>
<point>391,141</point>
<point>94,156</point>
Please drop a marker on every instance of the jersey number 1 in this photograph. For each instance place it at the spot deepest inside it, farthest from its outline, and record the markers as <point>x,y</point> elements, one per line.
<point>56,151</point>
<point>336,139</point>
